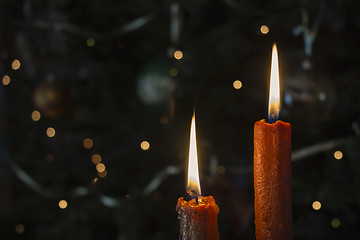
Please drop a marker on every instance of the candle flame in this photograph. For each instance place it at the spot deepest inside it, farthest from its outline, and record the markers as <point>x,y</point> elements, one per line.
<point>274,93</point>
<point>193,167</point>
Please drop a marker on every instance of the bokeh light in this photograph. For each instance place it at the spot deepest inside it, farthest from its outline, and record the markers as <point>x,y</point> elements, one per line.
<point>335,223</point>
<point>50,132</point>
<point>96,158</point>
<point>35,116</point>
<point>3,54</point>
<point>88,143</point>
<point>19,228</point>
<point>178,55</point>
<point>63,204</point>
<point>316,205</point>
<point>173,72</point>
<point>164,120</point>
<point>49,157</point>
<point>221,169</point>
<point>102,174</point>
<point>6,80</point>
<point>100,167</point>
<point>264,29</point>
<point>237,84</point>
<point>145,145</point>
<point>15,64</point>
<point>90,42</point>
<point>338,155</point>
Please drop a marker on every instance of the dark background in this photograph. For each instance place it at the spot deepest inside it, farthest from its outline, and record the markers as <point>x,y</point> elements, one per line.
<point>106,70</point>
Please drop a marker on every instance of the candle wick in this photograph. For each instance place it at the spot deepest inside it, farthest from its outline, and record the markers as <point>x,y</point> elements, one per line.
<point>193,194</point>
<point>273,117</point>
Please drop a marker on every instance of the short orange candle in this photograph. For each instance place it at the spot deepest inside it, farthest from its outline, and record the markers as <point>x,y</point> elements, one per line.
<point>198,217</point>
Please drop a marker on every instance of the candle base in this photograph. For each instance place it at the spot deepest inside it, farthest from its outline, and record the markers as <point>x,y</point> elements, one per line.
<point>198,220</point>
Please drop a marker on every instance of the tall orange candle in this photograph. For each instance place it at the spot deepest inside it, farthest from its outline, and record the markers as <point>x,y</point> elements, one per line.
<point>272,168</point>
<point>198,217</point>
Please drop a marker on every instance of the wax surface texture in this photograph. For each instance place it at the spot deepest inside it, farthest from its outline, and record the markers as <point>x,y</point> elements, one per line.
<point>272,181</point>
<point>198,220</point>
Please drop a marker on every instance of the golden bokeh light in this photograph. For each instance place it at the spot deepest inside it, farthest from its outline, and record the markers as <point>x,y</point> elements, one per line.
<point>95,180</point>
<point>264,29</point>
<point>96,158</point>
<point>100,167</point>
<point>102,174</point>
<point>63,204</point>
<point>335,223</point>
<point>178,55</point>
<point>173,72</point>
<point>88,143</point>
<point>19,228</point>
<point>237,84</point>
<point>35,116</point>
<point>316,205</point>
<point>338,155</point>
<point>15,64</point>
<point>164,120</point>
<point>50,132</point>
<point>221,169</point>
<point>145,145</point>
<point>90,42</point>
<point>6,80</point>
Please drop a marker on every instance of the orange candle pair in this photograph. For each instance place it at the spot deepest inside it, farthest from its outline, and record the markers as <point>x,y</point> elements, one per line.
<point>272,169</point>
<point>198,217</point>
<point>272,180</point>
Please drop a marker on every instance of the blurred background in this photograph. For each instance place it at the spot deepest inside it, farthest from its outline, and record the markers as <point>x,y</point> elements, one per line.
<point>96,100</point>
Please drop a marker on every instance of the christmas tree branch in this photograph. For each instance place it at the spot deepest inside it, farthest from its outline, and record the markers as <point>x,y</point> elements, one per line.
<point>81,32</point>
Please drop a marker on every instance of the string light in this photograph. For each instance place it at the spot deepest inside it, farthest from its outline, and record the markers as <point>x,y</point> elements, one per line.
<point>338,155</point>
<point>264,29</point>
<point>35,115</point>
<point>96,158</point>
<point>145,145</point>
<point>178,54</point>
<point>19,228</point>
<point>335,223</point>
<point>6,80</point>
<point>100,167</point>
<point>88,143</point>
<point>237,84</point>
<point>63,204</point>
<point>90,42</point>
<point>15,64</point>
<point>50,132</point>
<point>316,205</point>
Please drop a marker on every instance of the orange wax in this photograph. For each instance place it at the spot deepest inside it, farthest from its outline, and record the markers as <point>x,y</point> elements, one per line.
<point>272,180</point>
<point>198,221</point>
